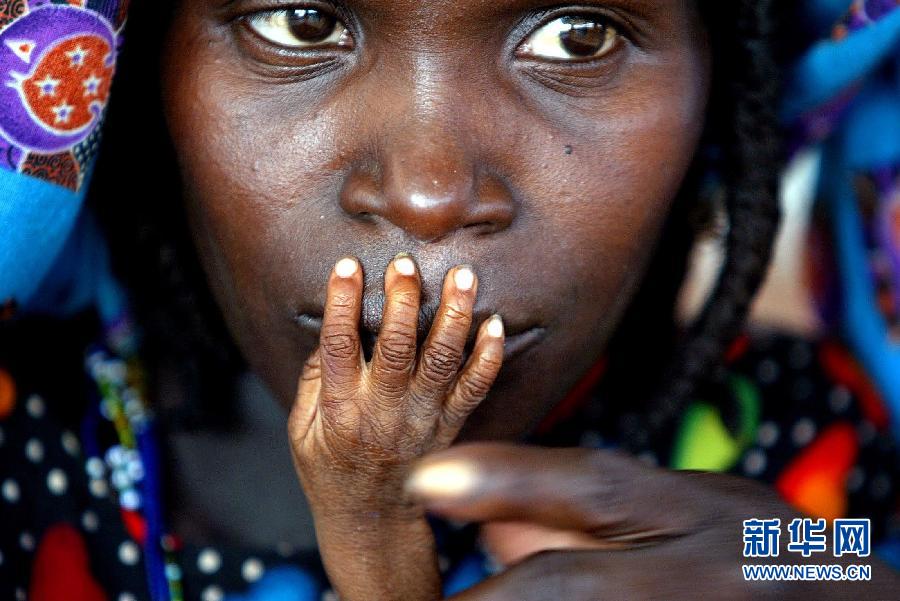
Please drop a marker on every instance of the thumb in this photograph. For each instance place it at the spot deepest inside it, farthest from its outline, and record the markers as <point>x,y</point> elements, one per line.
<point>605,495</point>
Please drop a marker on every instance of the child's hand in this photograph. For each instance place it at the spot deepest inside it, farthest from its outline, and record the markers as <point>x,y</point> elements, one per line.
<point>356,428</point>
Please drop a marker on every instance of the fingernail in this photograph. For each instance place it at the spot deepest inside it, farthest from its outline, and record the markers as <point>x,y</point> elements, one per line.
<point>447,480</point>
<point>464,279</point>
<point>495,327</point>
<point>346,268</point>
<point>404,265</point>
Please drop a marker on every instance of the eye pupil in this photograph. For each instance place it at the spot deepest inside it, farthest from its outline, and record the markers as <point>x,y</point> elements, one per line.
<point>310,25</point>
<point>583,37</point>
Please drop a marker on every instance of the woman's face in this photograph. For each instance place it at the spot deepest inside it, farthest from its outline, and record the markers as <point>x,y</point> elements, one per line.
<point>541,143</point>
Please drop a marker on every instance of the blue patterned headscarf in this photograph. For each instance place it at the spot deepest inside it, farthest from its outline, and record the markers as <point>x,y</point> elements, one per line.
<point>57,60</point>
<point>844,95</point>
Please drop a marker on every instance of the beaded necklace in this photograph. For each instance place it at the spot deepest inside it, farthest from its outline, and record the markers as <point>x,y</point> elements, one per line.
<point>131,463</point>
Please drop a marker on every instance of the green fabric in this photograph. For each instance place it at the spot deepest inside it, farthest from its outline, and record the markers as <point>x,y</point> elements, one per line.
<point>704,443</point>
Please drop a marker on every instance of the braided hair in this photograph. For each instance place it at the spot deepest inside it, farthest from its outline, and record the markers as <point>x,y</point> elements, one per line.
<point>744,125</point>
<point>155,257</point>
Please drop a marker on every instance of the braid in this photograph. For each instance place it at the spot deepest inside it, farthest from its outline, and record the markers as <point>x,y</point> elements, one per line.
<point>752,165</point>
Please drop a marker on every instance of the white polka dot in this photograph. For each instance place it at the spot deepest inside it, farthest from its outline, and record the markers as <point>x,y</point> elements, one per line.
<point>803,432</point>
<point>209,561</point>
<point>126,596</point>
<point>443,563</point>
<point>11,490</point>
<point>95,468</point>
<point>129,554</point>
<point>212,593</point>
<point>839,399</point>
<point>755,463</point>
<point>768,434</point>
<point>35,406</point>
<point>856,479</point>
<point>26,541</point>
<point>252,570</point>
<point>20,594</point>
<point>90,521</point>
<point>57,481</point>
<point>34,450</point>
<point>70,444</point>
<point>99,488</point>
<point>768,372</point>
<point>330,595</point>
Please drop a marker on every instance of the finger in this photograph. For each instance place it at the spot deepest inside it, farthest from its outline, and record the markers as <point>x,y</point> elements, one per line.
<point>475,380</point>
<point>340,349</point>
<point>663,572</point>
<point>603,493</point>
<point>395,348</point>
<point>443,349</point>
<point>512,542</point>
<point>574,576</point>
<point>306,402</point>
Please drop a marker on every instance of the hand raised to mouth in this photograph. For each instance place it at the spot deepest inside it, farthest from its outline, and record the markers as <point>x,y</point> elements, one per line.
<point>357,427</point>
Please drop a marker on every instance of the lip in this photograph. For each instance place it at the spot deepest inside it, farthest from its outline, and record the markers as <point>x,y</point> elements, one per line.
<point>518,340</point>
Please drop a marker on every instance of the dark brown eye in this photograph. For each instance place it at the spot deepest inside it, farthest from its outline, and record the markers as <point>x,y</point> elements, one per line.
<point>584,37</point>
<point>571,38</point>
<point>310,25</point>
<point>301,28</point>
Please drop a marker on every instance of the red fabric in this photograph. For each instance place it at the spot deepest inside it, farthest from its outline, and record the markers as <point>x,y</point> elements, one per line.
<point>737,349</point>
<point>61,569</point>
<point>575,400</point>
<point>816,481</point>
<point>844,370</point>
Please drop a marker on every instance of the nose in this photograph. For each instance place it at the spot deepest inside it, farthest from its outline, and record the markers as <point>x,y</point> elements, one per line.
<point>429,185</point>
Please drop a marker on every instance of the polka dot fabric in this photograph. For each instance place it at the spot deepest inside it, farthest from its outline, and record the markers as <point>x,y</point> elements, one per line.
<point>793,412</point>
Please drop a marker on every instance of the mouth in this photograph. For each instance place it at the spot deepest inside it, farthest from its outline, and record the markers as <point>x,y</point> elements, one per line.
<point>519,338</point>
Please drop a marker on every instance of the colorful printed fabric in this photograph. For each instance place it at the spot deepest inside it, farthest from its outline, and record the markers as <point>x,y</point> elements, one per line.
<point>801,417</point>
<point>57,61</point>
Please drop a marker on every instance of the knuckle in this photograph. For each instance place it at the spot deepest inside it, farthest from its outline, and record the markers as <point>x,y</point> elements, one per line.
<point>339,344</point>
<point>343,300</point>
<point>602,498</point>
<point>405,301</point>
<point>397,349</point>
<point>457,315</point>
<point>474,387</point>
<point>441,361</point>
<point>386,389</point>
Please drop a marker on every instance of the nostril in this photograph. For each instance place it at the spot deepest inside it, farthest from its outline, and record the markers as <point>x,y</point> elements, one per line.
<point>482,227</point>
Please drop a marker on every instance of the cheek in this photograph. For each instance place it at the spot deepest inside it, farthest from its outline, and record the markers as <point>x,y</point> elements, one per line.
<point>248,208</point>
<point>607,178</point>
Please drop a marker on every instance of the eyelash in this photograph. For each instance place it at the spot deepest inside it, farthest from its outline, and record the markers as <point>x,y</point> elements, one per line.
<point>618,23</point>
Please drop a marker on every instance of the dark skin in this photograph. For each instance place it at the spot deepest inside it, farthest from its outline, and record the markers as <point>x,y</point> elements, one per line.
<point>456,132</point>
